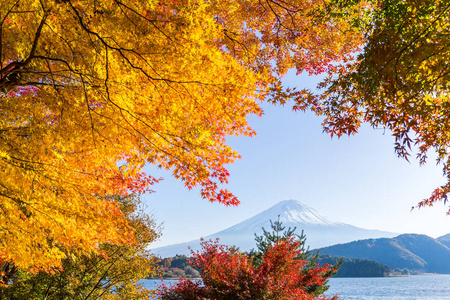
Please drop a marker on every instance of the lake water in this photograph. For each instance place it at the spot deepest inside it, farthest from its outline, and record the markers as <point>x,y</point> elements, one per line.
<point>417,287</point>
<point>429,287</point>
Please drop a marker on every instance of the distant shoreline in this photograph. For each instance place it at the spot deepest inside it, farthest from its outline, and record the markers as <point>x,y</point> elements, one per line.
<point>394,275</point>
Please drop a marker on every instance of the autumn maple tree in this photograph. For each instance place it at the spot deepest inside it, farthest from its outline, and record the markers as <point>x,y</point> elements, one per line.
<point>91,91</point>
<point>114,274</point>
<point>399,81</point>
<point>281,268</point>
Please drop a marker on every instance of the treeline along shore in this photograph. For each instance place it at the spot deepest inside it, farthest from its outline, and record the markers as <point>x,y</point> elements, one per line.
<point>179,267</point>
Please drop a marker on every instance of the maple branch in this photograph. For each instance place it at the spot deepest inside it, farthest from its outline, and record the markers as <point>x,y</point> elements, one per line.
<point>101,278</point>
<point>121,52</point>
<point>89,110</point>
<point>144,17</point>
<point>426,30</point>
<point>14,65</point>
<point>36,39</point>
<point>289,10</point>
<point>11,81</point>
<point>74,71</point>
<point>226,31</point>
<point>1,34</point>
<point>121,111</point>
<point>410,43</point>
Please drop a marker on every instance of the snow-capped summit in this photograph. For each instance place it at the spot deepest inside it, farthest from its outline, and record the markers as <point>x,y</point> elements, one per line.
<point>293,211</point>
<point>320,231</point>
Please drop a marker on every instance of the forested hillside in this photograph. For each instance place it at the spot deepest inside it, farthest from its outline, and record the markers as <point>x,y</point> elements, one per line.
<point>407,251</point>
<point>356,267</point>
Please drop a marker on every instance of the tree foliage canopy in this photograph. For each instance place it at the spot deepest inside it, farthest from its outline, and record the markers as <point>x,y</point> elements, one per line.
<point>400,81</point>
<point>91,91</point>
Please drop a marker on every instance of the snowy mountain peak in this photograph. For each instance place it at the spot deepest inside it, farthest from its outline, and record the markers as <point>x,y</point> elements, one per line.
<point>320,231</point>
<point>292,211</point>
<point>291,205</point>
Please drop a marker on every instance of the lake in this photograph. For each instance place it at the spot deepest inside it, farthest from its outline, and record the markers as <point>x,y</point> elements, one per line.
<point>429,287</point>
<point>417,287</point>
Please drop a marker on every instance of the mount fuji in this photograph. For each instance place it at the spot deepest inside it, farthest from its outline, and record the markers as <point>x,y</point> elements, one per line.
<point>320,231</point>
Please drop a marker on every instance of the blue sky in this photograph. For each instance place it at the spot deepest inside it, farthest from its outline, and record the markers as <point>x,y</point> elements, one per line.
<point>356,180</point>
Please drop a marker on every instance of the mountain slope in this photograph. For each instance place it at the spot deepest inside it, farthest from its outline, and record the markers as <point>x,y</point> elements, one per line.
<point>411,251</point>
<point>445,239</point>
<point>320,231</point>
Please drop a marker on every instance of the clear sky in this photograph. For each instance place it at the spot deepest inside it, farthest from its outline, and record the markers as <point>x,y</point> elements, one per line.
<point>356,180</point>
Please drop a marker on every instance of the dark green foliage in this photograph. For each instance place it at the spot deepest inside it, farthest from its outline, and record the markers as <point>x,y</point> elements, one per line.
<point>355,267</point>
<point>403,272</point>
<point>180,261</point>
